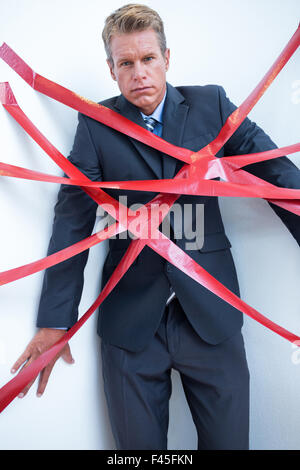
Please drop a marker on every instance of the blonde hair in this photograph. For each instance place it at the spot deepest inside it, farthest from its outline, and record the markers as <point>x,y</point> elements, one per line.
<point>130,18</point>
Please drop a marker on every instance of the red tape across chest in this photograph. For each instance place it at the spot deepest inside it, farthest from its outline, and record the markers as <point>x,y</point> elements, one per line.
<point>193,178</point>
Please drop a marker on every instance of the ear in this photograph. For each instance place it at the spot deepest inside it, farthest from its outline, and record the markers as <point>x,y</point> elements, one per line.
<point>111,69</point>
<point>167,58</point>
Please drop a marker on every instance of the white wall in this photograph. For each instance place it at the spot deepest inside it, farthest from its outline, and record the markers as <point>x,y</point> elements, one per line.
<point>231,43</point>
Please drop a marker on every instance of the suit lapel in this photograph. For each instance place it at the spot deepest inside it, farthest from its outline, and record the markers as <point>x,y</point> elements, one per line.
<point>174,118</point>
<point>151,156</point>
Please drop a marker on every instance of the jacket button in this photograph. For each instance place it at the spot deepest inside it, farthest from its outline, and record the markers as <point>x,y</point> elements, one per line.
<point>169,268</point>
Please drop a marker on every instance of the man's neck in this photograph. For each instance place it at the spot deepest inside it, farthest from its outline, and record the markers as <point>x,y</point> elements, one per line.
<point>158,111</point>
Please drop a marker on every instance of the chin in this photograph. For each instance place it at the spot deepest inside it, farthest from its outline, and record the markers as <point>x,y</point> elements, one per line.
<point>143,103</point>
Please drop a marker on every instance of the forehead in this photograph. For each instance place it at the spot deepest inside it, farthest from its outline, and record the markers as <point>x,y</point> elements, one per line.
<point>136,43</point>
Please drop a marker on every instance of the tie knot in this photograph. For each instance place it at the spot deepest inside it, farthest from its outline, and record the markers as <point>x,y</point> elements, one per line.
<point>150,123</point>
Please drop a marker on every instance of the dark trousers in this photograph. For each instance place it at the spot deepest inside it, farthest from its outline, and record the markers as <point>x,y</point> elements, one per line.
<point>215,380</point>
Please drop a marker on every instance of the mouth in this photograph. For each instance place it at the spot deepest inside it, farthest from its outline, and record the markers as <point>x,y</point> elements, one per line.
<point>141,89</point>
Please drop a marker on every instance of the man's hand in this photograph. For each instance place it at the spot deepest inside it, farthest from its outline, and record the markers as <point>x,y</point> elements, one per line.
<point>42,341</point>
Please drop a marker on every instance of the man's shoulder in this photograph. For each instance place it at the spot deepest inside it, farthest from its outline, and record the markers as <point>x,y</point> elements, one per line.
<point>109,102</point>
<point>89,121</point>
<point>200,92</point>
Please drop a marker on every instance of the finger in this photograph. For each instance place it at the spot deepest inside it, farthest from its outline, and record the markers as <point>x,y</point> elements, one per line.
<point>45,374</point>
<point>24,357</point>
<point>67,355</point>
<point>44,377</point>
<point>25,389</point>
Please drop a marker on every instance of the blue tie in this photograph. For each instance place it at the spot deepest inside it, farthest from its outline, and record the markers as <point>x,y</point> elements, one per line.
<point>150,123</point>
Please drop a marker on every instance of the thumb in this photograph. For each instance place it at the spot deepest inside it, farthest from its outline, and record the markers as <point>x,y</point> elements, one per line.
<point>67,356</point>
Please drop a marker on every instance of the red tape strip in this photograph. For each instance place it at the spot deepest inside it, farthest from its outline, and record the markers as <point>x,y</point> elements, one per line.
<point>191,185</point>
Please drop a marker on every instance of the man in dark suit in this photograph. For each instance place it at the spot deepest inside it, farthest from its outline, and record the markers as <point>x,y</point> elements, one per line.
<point>157,318</point>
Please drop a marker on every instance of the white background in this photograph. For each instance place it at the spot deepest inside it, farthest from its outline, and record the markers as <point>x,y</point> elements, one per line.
<point>230,43</point>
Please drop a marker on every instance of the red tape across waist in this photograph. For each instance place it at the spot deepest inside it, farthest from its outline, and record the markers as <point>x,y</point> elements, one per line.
<point>193,178</point>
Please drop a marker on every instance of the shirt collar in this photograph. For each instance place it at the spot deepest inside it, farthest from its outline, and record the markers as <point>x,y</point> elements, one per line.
<point>158,112</point>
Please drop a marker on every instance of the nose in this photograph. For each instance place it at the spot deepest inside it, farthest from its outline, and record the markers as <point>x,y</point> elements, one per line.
<point>139,71</point>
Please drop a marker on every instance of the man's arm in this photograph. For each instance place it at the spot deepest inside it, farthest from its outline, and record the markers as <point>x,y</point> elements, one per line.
<point>250,138</point>
<point>74,218</point>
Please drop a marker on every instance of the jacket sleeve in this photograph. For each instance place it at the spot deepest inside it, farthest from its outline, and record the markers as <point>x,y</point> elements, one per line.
<point>74,219</point>
<point>250,138</point>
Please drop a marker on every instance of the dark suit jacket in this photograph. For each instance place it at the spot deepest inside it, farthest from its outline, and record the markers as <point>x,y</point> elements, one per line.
<point>130,315</point>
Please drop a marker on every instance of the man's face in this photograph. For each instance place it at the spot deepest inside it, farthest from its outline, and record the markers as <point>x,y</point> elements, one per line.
<point>140,68</point>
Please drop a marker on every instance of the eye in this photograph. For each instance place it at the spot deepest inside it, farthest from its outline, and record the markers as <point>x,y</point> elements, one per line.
<point>125,63</point>
<point>148,59</point>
